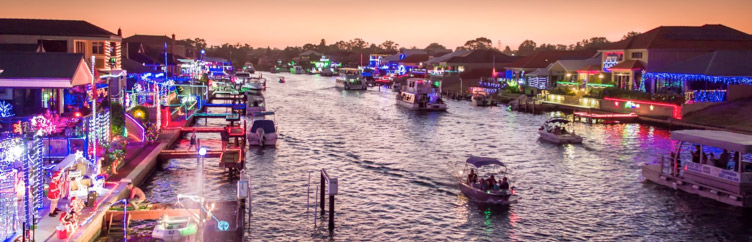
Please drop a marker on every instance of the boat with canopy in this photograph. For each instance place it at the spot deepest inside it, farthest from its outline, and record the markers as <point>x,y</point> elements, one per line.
<point>477,185</point>
<point>693,167</point>
<point>263,131</point>
<point>558,130</point>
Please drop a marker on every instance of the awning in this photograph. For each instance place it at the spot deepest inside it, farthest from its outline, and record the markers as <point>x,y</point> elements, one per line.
<point>719,139</point>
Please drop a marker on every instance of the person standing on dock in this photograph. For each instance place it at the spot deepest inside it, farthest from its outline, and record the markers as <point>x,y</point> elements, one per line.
<point>193,140</point>
<point>225,138</point>
<point>137,196</point>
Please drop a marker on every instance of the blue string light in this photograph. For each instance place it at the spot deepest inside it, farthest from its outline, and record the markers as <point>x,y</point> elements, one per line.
<point>745,80</point>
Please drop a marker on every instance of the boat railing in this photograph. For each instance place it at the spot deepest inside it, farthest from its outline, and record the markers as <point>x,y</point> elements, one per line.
<point>720,173</point>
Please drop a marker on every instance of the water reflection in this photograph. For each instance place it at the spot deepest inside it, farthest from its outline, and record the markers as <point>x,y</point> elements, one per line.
<point>396,182</point>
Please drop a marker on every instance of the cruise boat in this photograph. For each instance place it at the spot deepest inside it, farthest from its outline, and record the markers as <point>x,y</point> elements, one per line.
<point>557,130</point>
<point>477,189</point>
<point>263,131</point>
<point>421,94</point>
<point>480,99</point>
<point>350,79</point>
<point>727,179</point>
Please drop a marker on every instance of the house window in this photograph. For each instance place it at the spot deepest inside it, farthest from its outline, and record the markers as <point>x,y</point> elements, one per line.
<point>636,55</point>
<point>81,47</point>
<point>97,48</point>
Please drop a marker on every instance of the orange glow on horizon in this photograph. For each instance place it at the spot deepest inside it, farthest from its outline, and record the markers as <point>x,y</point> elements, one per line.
<point>409,23</point>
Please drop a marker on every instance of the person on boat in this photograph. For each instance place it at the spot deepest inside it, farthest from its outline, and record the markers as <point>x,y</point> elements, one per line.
<point>137,196</point>
<point>696,154</point>
<point>724,159</point>
<point>491,182</point>
<point>705,159</point>
<point>504,184</point>
<point>472,177</point>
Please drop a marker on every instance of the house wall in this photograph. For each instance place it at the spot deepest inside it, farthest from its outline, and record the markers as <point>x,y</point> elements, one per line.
<point>736,92</point>
<point>71,42</point>
<point>643,110</point>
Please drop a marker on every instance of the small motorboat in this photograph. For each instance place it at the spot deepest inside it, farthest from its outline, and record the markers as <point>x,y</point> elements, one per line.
<point>282,80</point>
<point>558,130</point>
<point>175,228</point>
<point>255,104</point>
<point>263,131</point>
<point>476,185</point>
<point>480,99</point>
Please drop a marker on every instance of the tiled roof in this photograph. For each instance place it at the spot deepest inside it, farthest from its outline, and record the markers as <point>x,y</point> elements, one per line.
<point>543,58</point>
<point>39,65</point>
<point>48,27</point>
<point>706,37</point>
<point>717,63</point>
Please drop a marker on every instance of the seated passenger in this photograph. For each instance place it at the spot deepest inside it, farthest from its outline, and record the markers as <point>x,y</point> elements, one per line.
<point>696,154</point>
<point>472,177</point>
<point>504,184</point>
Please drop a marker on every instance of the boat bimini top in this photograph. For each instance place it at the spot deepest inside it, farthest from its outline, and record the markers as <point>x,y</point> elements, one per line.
<point>483,161</point>
<point>719,139</point>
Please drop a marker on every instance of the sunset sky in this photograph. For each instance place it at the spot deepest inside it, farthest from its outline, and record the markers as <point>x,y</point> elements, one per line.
<point>262,23</point>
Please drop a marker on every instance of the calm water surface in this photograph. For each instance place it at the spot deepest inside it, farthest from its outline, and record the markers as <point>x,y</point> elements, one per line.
<point>395,170</point>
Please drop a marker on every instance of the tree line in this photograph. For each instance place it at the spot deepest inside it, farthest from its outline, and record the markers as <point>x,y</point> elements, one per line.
<point>241,53</point>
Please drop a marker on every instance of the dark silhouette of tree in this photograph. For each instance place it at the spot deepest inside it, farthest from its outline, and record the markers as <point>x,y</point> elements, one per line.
<point>358,44</point>
<point>389,45</point>
<point>480,43</point>
<point>593,43</point>
<point>508,51</point>
<point>436,46</point>
<point>630,34</point>
<point>309,47</point>
<point>341,45</point>
<point>527,47</point>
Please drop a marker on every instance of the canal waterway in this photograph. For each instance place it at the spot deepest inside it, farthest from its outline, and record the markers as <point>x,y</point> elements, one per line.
<point>396,182</point>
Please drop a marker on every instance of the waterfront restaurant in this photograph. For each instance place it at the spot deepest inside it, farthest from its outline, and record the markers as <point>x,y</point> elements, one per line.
<point>628,60</point>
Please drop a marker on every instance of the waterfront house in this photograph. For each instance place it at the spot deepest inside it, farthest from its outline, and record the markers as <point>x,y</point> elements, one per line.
<point>407,59</point>
<point>65,36</point>
<point>158,51</point>
<point>32,83</point>
<point>578,72</point>
<point>538,63</point>
<point>471,63</point>
<point>628,60</point>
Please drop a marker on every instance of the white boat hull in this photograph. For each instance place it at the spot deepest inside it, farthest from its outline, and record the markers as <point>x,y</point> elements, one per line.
<point>560,139</point>
<point>427,107</point>
<point>478,196</point>
<point>269,139</point>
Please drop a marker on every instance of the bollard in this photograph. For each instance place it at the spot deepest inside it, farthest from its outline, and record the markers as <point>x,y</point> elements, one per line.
<point>333,186</point>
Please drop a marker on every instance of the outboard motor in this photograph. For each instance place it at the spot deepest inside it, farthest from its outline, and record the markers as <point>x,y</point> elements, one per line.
<point>262,136</point>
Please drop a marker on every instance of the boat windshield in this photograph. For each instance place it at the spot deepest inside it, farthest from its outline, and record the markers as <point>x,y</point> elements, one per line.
<point>266,125</point>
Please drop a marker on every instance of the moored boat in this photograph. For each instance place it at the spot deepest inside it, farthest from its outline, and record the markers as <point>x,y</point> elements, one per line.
<point>480,99</point>
<point>482,186</point>
<point>557,130</point>
<point>175,228</point>
<point>421,94</point>
<point>263,131</point>
<point>727,179</point>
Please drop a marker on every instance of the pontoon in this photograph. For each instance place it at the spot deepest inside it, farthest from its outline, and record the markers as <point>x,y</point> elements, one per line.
<point>350,79</point>
<point>557,130</point>
<point>263,131</point>
<point>477,188</point>
<point>727,179</point>
<point>421,94</point>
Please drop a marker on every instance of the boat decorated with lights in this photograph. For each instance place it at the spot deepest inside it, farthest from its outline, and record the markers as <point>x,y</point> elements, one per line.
<point>558,130</point>
<point>263,131</point>
<point>692,167</point>
<point>421,94</point>
<point>487,182</point>
<point>350,79</point>
<point>480,99</point>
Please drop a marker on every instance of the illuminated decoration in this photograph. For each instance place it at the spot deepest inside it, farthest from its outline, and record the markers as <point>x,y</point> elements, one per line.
<point>511,83</point>
<point>745,80</point>
<point>18,128</point>
<point>611,115</point>
<point>489,84</point>
<point>6,109</point>
<point>705,96</point>
<point>540,82</point>
<point>588,84</point>
<point>158,103</point>
<point>676,108</point>
<point>611,59</point>
<point>43,124</point>
<point>652,107</point>
<point>9,217</point>
<point>401,70</point>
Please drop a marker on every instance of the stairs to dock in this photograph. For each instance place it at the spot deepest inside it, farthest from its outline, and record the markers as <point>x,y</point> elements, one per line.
<point>115,227</point>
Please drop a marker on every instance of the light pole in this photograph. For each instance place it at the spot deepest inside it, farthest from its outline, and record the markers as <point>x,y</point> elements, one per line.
<point>201,154</point>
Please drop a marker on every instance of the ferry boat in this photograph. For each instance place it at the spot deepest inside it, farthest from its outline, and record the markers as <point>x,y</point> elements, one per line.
<point>557,130</point>
<point>727,179</point>
<point>477,189</point>
<point>421,94</point>
<point>263,131</point>
<point>350,79</point>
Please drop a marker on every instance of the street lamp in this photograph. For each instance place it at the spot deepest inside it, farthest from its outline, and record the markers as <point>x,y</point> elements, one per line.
<point>202,152</point>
